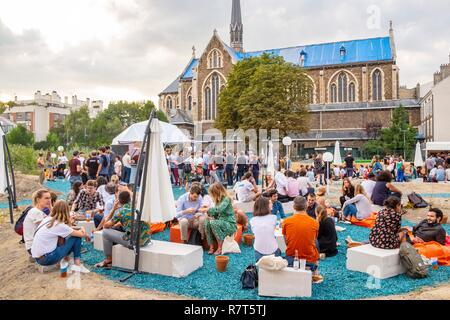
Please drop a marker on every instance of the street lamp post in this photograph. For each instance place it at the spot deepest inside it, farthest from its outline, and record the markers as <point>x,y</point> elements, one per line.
<point>287,141</point>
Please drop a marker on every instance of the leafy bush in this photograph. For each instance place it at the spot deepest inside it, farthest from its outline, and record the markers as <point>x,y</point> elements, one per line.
<point>20,136</point>
<point>24,159</point>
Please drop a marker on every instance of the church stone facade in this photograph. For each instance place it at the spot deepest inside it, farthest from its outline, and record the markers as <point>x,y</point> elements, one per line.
<point>354,83</point>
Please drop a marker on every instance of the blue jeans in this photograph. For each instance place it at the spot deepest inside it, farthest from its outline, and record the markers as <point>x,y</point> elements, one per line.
<point>256,176</point>
<point>229,171</point>
<point>126,175</point>
<point>259,255</point>
<point>290,261</point>
<point>74,179</point>
<point>350,210</point>
<point>72,244</point>
<point>400,176</point>
<point>219,173</point>
<point>98,219</point>
<point>349,172</point>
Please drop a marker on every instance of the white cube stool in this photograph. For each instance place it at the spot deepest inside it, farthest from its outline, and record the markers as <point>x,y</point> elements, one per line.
<point>379,263</point>
<point>160,257</point>
<point>246,207</point>
<point>280,240</point>
<point>89,226</point>
<point>286,283</point>
<point>98,240</point>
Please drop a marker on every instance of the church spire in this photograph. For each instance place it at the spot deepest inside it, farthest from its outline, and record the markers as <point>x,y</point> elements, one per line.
<point>236,27</point>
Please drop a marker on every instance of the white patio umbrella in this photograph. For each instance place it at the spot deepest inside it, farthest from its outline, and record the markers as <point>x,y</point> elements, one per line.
<point>337,154</point>
<point>7,183</point>
<point>169,133</point>
<point>418,160</point>
<point>159,202</point>
<point>270,160</point>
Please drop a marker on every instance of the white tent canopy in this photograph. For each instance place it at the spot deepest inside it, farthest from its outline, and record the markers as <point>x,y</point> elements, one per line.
<point>135,133</point>
<point>337,154</point>
<point>3,173</point>
<point>418,160</point>
<point>159,201</point>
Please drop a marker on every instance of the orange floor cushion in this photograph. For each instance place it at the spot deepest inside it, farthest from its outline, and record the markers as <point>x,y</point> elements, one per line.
<point>435,250</point>
<point>175,234</point>
<point>157,227</point>
<point>366,223</point>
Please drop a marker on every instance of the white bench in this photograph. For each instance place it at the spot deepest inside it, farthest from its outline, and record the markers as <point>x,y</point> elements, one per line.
<point>379,263</point>
<point>98,240</point>
<point>286,283</point>
<point>89,226</point>
<point>160,257</point>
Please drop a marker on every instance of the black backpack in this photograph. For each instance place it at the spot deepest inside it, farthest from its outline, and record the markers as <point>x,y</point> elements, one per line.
<point>417,201</point>
<point>187,168</point>
<point>413,262</point>
<point>249,277</point>
<point>195,238</point>
<point>18,227</point>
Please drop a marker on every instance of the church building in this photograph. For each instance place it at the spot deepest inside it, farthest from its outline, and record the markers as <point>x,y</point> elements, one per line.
<point>355,84</point>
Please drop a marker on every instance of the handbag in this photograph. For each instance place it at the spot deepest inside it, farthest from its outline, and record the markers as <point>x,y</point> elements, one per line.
<point>249,278</point>
<point>230,245</point>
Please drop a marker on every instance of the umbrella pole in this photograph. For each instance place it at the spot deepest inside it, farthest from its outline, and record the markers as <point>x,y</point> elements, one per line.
<point>13,193</point>
<point>10,190</point>
<point>136,229</point>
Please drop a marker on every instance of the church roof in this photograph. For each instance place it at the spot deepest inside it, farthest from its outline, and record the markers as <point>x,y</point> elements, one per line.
<point>181,117</point>
<point>189,71</point>
<point>173,87</point>
<point>334,53</point>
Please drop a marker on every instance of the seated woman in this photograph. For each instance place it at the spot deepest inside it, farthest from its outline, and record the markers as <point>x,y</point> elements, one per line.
<point>245,190</point>
<point>220,221</point>
<point>46,249</point>
<point>387,232</point>
<point>74,192</point>
<point>89,201</point>
<point>263,226</point>
<point>384,189</point>
<point>101,185</point>
<point>327,233</point>
<point>348,191</point>
<point>121,220</point>
<point>360,206</point>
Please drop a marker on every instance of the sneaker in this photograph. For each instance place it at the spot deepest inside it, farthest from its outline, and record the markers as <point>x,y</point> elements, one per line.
<point>81,268</point>
<point>316,279</point>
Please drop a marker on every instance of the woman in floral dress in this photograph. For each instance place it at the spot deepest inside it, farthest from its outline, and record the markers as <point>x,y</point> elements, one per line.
<point>387,233</point>
<point>221,221</point>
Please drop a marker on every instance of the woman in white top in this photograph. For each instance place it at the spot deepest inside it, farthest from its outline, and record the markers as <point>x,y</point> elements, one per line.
<point>263,226</point>
<point>41,200</point>
<point>47,247</point>
<point>359,206</point>
<point>118,167</point>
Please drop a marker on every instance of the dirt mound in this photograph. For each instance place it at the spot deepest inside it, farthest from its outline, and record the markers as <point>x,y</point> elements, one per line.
<point>25,186</point>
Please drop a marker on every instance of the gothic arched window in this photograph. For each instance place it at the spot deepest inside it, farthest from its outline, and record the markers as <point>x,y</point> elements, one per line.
<point>333,93</point>
<point>190,103</point>
<point>215,94</point>
<point>207,103</point>
<point>342,86</point>
<point>377,86</point>
<point>169,103</point>
<point>352,92</point>
<point>215,59</point>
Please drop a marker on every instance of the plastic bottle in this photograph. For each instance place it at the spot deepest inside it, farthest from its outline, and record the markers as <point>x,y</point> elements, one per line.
<point>64,265</point>
<point>296,261</point>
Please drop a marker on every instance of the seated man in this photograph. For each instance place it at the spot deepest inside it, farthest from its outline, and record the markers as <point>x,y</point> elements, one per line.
<point>430,229</point>
<point>293,186</point>
<point>281,182</point>
<point>277,207</point>
<point>300,232</point>
<point>245,190</point>
<point>312,205</point>
<point>188,214</point>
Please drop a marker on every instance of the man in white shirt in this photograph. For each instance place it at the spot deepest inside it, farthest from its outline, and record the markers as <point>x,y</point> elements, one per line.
<point>281,182</point>
<point>304,186</point>
<point>369,184</point>
<point>41,200</point>
<point>126,161</point>
<point>245,190</point>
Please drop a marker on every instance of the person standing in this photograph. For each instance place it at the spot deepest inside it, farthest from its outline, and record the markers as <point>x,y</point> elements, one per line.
<point>62,164</point>
<point>91,166</point>
<point>112,159</point>
<point>230,162</point>
<point>241,164</point>
<point>126,170</point>
<point>105,164</point>
<point>180,161</point>
<point>349,164</point>
<point>75,168</point>
<point>220,164</point>
<point>118,167</point>
<point>206,160</point>
<point>49,164</point>
<point>41,167</point>
<point>377,167</point>
<point>319,169</point>
<point>255,166</point>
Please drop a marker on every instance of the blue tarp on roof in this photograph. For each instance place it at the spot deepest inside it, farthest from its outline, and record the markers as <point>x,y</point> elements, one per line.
<point>189,73</point>
<point>317,55</point>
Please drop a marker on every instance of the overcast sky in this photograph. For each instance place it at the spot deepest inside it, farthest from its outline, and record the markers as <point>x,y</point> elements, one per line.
<point>132,49</point>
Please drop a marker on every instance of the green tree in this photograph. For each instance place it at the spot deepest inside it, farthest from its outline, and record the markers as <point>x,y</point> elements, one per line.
<point>2,107</point>
<point>265,93</point>
<point>21,136</point>
<point>398,138</point>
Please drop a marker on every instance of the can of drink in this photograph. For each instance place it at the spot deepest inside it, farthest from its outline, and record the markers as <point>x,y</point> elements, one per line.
<point>64,265</point>
<point>88,216</point>
<point>434,263</point>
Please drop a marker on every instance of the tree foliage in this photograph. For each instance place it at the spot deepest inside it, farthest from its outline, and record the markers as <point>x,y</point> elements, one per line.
<point>400,136</point>
<point>20,136</point>
<point>265,93</point>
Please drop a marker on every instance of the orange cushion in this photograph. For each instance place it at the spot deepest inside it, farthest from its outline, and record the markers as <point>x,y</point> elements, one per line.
<point>366,223</point>
<point>175,234</point>
<point>434,250</point>
<point>157,227</point>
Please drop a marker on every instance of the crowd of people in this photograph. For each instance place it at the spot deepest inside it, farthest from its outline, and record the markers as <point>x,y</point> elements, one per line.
<point>215,184</point>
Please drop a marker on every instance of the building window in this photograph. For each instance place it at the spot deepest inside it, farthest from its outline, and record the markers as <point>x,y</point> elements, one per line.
<point>208,103</point>
<point>215,95</point>
<point>342,84</point>
<point>311,95</point>
<point>377,84</point>
<point>352,92</point>
<point>333,93</point>
<point>190,103</point>
<point>169,103</point>
<point>215,59</point>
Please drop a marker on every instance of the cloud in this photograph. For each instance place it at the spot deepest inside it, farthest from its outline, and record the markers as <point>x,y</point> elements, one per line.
<point>133,49</point>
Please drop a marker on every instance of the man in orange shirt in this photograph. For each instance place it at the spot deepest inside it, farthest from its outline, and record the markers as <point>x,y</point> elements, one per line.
<point>300,232</point>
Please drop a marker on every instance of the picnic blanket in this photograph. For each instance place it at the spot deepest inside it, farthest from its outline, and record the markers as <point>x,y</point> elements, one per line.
<point>435,250</point>
<point>366,223</point>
